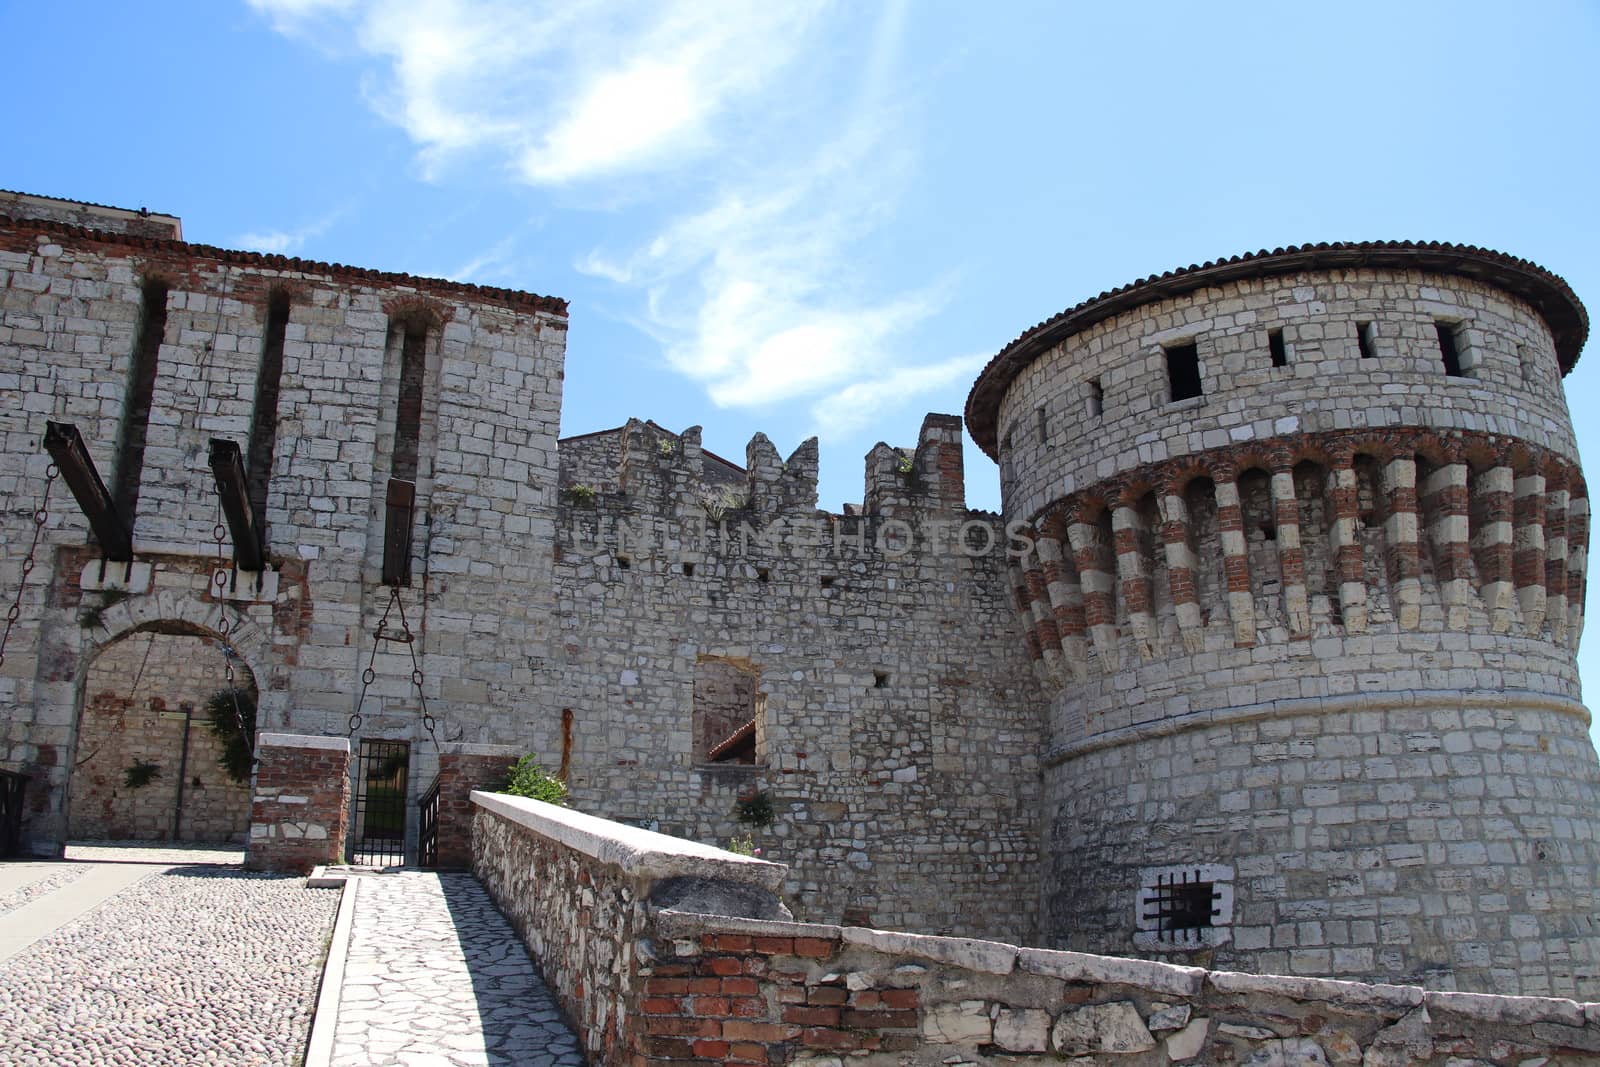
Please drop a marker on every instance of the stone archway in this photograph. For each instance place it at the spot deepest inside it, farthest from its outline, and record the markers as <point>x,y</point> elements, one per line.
<point>147,763</point>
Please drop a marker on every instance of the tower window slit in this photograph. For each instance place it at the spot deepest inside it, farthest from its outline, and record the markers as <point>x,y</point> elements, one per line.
<point>1183,371</point>
<point>1366,340</point>
<point>1275,345</point>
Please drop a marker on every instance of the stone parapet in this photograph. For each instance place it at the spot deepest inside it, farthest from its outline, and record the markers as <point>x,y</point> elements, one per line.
<point>300,809</point>
<point>462,770</point>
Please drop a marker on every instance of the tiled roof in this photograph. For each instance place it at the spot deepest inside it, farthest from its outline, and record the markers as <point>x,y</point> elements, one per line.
<point>88,203</point>
<point>512,298</point>
<point>730,748</point>
<point>1547,292</point>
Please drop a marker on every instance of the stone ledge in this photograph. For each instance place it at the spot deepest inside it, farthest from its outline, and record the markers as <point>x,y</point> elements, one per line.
<point>642,854</point>
<point>1328,705</point>
<point>332,744</point>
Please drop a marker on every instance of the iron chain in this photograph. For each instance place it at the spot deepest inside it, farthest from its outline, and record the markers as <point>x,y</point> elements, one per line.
<point>370,675</point>
<point>41,515</point>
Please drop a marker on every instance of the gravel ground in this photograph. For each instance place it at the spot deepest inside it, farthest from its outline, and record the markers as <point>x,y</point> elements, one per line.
<point>64,873</point>
<point>189,966</point>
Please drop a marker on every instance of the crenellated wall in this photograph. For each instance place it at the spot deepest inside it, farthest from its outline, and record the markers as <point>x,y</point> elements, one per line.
<point>1308,633</point>
<point>895,740</point>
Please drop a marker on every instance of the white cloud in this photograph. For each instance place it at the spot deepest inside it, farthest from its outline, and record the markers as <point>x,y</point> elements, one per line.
<point>284,242</point>
<point>760,291</point>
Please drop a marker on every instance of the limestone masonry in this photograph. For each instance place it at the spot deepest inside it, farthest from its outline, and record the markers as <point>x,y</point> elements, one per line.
<point>1268,664</point>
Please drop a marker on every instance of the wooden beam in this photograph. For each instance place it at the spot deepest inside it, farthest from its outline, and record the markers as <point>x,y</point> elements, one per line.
<point>72,459</point>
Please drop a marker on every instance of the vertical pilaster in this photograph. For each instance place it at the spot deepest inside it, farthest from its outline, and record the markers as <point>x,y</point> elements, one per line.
<point>1555,568</point>
<point>1044,620</point>
<point>1400,534</point>
<point>1099,606</point>
<point>1577,562</point>
<point>1235,563</point>
<point>1181,564</point>
<point>1493,541</point>
<point>1137,592</point>
<point>1066,601</point>
<point>1528,550</point>
<point>1022,603</point>
<point>1291,550</point>
<point>1445,492</point>
<point>1344,530</point>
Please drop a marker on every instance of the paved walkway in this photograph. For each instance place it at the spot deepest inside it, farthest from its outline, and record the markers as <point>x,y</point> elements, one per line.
<point>144,963</point>
<point>436,977</point>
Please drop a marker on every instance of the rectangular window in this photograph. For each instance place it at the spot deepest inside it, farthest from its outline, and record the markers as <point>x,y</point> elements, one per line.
<point>1280,354</point>
<point>729,712</point>
<point>1525,362</point>
<point>1183,371</point>
<point>1044,427</point>
<point>1097,399</point>
<point>1366,340</point>
<point>1450,348</point>
<point>141,394</point>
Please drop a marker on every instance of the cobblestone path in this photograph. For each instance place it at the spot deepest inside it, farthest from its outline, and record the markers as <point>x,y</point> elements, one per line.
<point>192,965</point>
<point>437,978</point>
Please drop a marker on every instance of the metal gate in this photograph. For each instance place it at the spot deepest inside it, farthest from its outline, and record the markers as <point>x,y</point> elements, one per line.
<point>428,826</point>
<point>11,786</point>
<point>378,832</point>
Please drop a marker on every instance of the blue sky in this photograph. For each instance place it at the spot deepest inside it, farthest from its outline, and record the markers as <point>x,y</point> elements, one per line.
<point>809,217</point>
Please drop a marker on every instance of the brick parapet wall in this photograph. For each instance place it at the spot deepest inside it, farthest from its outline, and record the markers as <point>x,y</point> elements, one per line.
<point>658,986</point>
<point>463,769</point>
<point>300,808</point>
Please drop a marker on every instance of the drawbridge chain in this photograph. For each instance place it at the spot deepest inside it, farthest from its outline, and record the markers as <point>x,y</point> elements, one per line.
<point>41,515</point>
<point>368,676</point>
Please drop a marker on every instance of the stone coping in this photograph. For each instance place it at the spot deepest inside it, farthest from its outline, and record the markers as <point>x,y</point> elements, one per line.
<point>1328,705</point>
<point>642,854</point>
<point>998,958</point>
<point>332,744</point>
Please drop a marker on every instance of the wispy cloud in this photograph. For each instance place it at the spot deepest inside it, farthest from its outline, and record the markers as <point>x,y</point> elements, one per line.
<point>752,287</point>
<point>284,242</point>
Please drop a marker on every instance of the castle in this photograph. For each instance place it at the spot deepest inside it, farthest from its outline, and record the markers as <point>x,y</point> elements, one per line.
<point>1267,665</point>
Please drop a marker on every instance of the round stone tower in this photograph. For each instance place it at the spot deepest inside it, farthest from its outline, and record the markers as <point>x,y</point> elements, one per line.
<point>1308,579</point>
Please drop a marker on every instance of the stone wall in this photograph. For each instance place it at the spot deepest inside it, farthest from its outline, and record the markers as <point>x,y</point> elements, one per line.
<point>462,770</point>
<point>300,807</point>
<point>896,729</point>
<point>665,977</point>
<point>71,307</point>
<point>142,695</point>
<point>1308,636</point>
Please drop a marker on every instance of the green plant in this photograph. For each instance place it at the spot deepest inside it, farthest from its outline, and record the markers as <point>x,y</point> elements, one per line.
<point>907,463</point>
<point>722,501</point>
<point>529,779</point>
<point>582,494</point>
<point>743,846</point>
<point>755,810</point>
<point>94,615</point>
<point>228,710</point>
<point>140,774</point>
<point>664,447</point>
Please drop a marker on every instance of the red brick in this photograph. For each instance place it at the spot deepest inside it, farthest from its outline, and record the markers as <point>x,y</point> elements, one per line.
<point>705,985</point>
<point>661,1005</point>
<point>665,986</point>
<point>744,987</point>
<point>901,998</point>
<point>818,1037</point>
<point>724,965</point>
<point>748,1053</point>
<point>667,1047</point>
<point>732,942</point>
<point>826,995</point>
<point>679,1027</point>
<point>811,1016</point>
<point>775,946</point>
<point>748,1007</point>
<point>711,1050</point>
<point>709,1006</point>
<point>814,947</point>
<point>740,1030</point>
<point>866,998</point>
<point>878,1020</point>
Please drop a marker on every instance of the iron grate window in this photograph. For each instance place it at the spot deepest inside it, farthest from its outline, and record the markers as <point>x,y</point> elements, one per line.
<point>1181,906</point>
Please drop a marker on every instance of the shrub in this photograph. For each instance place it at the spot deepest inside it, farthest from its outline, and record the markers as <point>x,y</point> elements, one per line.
<point>140,774</point>
<point>226,708</point>
<point>755,810</point>
<point>529,779</point>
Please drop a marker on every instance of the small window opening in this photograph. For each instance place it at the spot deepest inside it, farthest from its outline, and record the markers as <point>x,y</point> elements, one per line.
<point>1366,340</point>
<point>729,712</point>
<point>827,581</point>
<point>1183,371</point>
<point>1525,362</point>
<point>763,574</point>
<point>1268,531</point>
<point>688,570</point>
<point>624,562</point>
<point>408,407</point>
<point>1044,426</point>
<point>1275,345</point>
<point>1450,348</point>
<point>1097,399</point>
<point>880,679</point>
<point>264,420</point>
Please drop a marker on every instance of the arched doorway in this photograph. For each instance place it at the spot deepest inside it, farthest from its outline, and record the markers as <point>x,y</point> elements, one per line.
<point>156,715</point>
